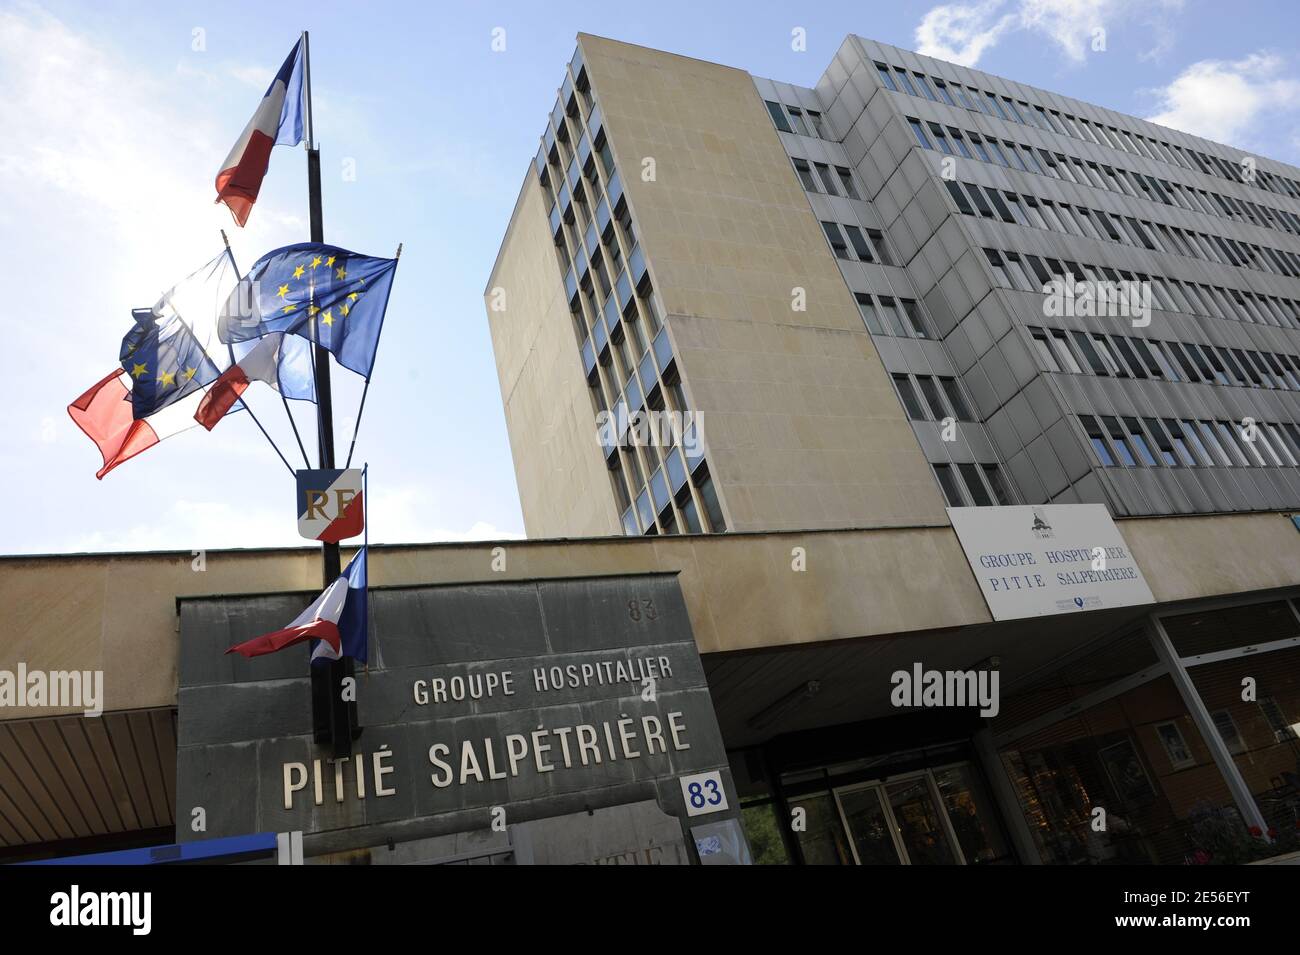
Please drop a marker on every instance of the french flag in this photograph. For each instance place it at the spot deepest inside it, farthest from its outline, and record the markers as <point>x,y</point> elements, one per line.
<point>277,122</point>
<point>260,364</point>
<point>336,620</point>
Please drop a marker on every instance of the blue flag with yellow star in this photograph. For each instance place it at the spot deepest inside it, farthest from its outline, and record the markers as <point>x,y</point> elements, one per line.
<point>172,350</point>
<point>318,293</point>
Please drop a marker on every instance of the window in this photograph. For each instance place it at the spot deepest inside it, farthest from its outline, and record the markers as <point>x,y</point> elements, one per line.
<point>932,399</point>
<point>1108,357</point>
<point>970,476</point>
<point>778,116</point>
<point>1117,440</point>
<point>709,498</point>
<point>889,317</point>
<point>919,132</point>
<point>977,197</point>
<point>796,121</point>
<point>1182,444</point>
<point>903,81</point>
<point>1001,492</point>
<point>869,317</point>
<point>955,399</point>
<point>915,319</point>
<point>836,240</point>
<point>1163,444</point>
<point>995,261</point>
<point>818,124</point>
<point>1090,354</point>
<point>1139,442</point>
<point>959,143</point>
<point>1019,277</point>
<point>1098,440</point>
<point>907,394</point>
<point>948,482</point>
<point>882,250</point>
<point>944,95</point>
<point>886,77</point>
<point>846,180</point>
<point>1210,441</point>
<point>859,242</point>
<point>1122,344</point>
<point>805,175</point>
<point>936,131</point>
<point>959,197</point>
<point>1044,349</point>
<point>1233,441</point>
<point>1061,344</point>
<point>918,80</point>
<point>1017,210</point>
<point>999,205</point>
<point>827,181</point>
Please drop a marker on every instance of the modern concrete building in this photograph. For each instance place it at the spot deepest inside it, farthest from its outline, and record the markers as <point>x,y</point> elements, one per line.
<point>913,287</point>
<point>807,271</point>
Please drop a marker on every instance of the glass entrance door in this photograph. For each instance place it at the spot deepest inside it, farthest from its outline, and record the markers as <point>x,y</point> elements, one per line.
<point>871,831</point>
<point>898,821</point>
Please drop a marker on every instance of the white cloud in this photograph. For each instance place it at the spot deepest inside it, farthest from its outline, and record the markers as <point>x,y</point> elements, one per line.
<point>1223,99</point>
<point>963,32</point>
<point>960,33</point>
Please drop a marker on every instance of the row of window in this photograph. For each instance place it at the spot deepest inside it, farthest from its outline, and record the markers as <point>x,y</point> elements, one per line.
<point>991,490</point>
<point>627,366</point>
<point>1039,161</point>
<point>1053,121</point>
<point>805,122</point>
<point>942,397</point>
<point>1132,442</point>
<point>1088,223</point>
<point>828,181</point>
<point>899,317</point>
<point>1019,270</point>
<point>868,244</point>
<point>1122,356</point>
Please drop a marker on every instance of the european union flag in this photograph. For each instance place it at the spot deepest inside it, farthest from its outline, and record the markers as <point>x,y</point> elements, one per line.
<point>165,361</point>
<point>319,293</point>
<point>172,350</point>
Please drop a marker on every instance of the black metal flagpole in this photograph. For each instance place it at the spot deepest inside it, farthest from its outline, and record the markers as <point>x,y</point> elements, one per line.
<point>333,719</point>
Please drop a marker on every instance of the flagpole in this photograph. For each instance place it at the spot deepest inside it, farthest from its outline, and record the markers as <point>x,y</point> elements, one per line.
<point>333,719</point>
<point>230,348</point>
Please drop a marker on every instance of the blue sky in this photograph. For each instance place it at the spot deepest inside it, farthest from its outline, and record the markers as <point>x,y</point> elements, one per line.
<point>117,116</point>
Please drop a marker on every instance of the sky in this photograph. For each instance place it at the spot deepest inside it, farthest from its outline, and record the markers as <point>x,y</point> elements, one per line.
<point>117,116</point>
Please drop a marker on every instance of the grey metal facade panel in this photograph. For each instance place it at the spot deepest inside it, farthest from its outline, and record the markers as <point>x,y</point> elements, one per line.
<point>1108,396</point>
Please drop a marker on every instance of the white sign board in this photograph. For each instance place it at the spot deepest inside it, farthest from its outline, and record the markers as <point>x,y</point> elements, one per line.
<point>1050,558</point>
<point>704,793</point>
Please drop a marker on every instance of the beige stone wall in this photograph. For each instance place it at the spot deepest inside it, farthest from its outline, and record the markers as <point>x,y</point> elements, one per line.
<point>118,611</point>
<point>802,424</point>
<point>1187,557</point>
<point>564,488</point>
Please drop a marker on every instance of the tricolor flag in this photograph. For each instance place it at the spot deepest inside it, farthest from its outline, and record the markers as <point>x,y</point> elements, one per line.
<point>169,359</point>
<point>336,620</point>
<point>277,122</point>
<point>282,361</point>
